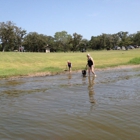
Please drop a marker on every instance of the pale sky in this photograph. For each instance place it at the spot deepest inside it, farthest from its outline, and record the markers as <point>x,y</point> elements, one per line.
<point>85,17</point>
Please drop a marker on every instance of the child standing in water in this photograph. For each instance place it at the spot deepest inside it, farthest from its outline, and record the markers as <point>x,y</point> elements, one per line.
<point>90,64</point>
<point>69,65</point>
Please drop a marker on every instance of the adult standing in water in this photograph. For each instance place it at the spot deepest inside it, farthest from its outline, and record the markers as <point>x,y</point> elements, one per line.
<point>91,64</point>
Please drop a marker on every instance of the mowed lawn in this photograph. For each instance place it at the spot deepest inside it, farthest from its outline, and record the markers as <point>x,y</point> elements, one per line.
<point>25,63</point>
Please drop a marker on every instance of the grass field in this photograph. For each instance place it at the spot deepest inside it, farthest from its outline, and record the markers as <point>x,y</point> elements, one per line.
<point>20,64</point>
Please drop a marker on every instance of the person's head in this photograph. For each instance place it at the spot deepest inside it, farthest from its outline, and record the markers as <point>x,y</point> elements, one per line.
<point>88,55</point>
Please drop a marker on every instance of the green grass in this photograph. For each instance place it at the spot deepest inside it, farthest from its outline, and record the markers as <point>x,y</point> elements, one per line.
<point>135,61</point>
<point>19,64</point>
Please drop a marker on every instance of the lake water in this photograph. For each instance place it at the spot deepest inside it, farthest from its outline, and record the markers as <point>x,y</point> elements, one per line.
<point>72,107</point>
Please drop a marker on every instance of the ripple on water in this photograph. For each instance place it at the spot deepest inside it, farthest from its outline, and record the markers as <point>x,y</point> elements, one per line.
<point>69,106</point>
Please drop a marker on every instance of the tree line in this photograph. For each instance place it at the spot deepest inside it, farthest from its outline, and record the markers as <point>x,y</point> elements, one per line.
<point>13,38</point>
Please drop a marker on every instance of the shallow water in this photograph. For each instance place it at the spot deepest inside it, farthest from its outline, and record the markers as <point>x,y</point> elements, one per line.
<point>70,107</point>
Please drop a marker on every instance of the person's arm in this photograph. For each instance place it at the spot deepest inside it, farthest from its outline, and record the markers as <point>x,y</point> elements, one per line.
<point>87,65</point>
<point>93,63</point>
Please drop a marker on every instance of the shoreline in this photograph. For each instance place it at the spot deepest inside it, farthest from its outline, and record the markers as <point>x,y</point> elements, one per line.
<point>120,67</point>
<point>42,74</point>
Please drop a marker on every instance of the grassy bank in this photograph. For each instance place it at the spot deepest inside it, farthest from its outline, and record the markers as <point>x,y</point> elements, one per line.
<point>19,64</point>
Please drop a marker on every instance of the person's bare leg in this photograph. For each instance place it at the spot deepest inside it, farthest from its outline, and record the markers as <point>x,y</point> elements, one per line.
<point>92,70</point>
<point>88,70</point>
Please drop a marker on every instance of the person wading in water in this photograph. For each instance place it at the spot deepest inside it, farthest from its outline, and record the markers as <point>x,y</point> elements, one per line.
<point>69,65</point>
<point>90,64</point>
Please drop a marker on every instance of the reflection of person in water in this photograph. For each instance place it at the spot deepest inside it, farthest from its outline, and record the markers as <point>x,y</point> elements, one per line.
<point>69,78</point>
<point>84,80</point>
<point>90,88</point>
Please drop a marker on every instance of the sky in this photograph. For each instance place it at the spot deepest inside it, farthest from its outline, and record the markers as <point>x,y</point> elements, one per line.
<point>85,17</point>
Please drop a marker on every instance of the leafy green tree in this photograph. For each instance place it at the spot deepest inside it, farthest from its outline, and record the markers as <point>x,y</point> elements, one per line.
<point>136,38</point>
<point>11,36</point>
<point>62,40</point>
<point>35,42</point>
<point>84,44</point>
<point>124,41</point>
<point>75,41</point>
<point>50,43</point>
<point>97,42</point>
<point>112,40</point>
<point>18,37</point>
<point>115,40</point>
<point>103,40</point>
<point>6,34</point>
<point>93,42</point>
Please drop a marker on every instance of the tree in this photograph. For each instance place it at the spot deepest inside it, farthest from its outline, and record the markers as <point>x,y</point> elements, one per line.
<point>10,35</point>
<point>62,38</point>
<point>115,40</point>
<point>50,43</point>
<point>136,38</point>
<point>97,42</point>
<point>35,42</point>
<point>6,34</point>
<point>75,41</point>
<point>19,36</point>
<point>123,38</point>
<point>111,41</point>
<point>83,45</point>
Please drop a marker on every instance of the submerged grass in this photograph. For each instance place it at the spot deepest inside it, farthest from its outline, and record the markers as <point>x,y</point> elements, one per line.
<point>19,64</point>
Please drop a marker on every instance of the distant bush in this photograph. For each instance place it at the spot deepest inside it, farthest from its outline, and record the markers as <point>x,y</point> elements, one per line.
<point>0,47</point>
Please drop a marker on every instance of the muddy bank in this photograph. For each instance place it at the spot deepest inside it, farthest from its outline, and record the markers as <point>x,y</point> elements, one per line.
<point>40,74</point>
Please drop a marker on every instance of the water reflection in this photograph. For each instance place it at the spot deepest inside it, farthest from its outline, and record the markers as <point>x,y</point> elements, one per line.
<point>69,78</point>
<point>91,89</point>
<point>84,80</point>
